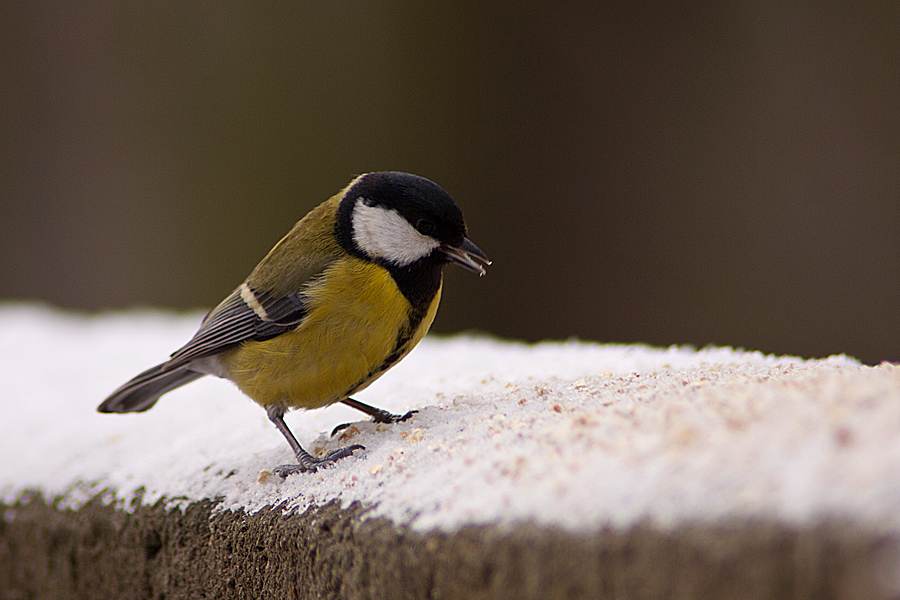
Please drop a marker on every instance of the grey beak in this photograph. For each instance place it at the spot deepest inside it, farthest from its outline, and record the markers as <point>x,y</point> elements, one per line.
<point>467,255</point>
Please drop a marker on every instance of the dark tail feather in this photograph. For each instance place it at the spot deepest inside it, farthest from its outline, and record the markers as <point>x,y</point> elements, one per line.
<point>142,392</point>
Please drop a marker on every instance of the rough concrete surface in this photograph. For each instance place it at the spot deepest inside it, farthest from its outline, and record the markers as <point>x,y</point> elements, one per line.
<point>157,553</point>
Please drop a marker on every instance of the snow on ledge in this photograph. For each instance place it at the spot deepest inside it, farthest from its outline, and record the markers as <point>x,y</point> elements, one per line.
<point>573,434</point>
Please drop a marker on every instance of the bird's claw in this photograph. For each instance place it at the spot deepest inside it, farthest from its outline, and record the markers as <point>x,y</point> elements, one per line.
<point>310,465</point>
<point>386,417</point>
<point>382,416</point>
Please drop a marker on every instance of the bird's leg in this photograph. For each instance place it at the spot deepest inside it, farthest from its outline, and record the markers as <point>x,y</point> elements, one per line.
<point>306,462</point>
<point>378,415</point>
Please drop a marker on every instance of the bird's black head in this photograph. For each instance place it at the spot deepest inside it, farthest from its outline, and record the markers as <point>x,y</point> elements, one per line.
<point>401,221</point>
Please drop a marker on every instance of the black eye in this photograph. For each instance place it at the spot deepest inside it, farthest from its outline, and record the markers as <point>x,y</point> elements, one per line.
<point>424,226</point>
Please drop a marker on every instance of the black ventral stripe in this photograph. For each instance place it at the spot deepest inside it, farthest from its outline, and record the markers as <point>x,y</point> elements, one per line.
<point>404,336</point>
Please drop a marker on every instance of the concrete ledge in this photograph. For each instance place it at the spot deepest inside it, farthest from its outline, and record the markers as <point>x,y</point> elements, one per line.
<point>156,553</point>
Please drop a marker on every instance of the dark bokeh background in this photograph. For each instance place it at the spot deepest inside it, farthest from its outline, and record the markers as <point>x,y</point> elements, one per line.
<point>681,172</point>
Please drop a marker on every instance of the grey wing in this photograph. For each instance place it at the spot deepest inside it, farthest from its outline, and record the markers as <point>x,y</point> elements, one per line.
<point>246,314</point>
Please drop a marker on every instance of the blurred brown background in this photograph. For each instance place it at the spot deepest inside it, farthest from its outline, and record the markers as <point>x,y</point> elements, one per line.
<point>680,172</point>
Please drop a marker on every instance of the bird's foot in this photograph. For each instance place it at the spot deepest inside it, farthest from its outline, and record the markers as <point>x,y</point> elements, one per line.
<point>381,416</point>
<point>309,464</point>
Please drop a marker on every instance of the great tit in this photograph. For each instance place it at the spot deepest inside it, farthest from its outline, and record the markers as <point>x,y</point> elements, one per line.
<point>345,295</point>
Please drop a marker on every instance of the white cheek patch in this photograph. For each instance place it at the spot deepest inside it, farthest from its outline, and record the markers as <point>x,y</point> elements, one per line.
<point>383,233</point>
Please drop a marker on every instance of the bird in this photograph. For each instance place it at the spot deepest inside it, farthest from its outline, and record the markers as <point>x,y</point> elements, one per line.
<point>339,300</point>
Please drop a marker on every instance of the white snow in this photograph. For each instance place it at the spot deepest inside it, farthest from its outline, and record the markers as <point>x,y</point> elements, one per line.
<point>573,434</point>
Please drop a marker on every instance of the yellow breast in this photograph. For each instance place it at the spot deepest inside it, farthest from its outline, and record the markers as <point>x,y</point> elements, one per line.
<point>355,321</point>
